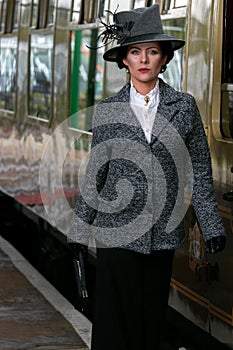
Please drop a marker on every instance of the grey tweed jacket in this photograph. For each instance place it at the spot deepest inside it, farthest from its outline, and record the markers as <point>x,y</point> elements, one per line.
<point>133,195</point>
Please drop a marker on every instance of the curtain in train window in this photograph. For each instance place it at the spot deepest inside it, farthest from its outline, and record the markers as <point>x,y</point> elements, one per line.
<point>40,75</point>
<point>227,72</point>
<point>86,76</point>
<point>175,69</point>
<point>8,47</point>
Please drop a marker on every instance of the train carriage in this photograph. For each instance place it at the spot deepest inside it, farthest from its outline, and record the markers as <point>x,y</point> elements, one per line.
<point>50,82</point>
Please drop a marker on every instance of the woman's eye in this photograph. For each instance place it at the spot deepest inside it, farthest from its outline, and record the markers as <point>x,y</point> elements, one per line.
<point>153,52</point>
<point>134,52</point>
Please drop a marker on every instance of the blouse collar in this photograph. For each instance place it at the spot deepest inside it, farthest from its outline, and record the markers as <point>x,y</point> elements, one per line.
<point>149,100</point>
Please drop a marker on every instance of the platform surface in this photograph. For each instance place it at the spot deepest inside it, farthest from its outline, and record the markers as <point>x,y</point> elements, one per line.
<point>33,315</point>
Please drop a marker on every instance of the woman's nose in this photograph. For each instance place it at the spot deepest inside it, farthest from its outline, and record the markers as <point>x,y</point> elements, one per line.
<point>144,57</point>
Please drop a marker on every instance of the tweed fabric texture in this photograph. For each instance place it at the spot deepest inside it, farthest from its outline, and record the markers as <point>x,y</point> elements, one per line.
<point>177,123</point>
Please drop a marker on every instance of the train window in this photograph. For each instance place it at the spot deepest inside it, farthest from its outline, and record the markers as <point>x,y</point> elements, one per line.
<point>180,3</point>
<point>227,72</point>
<point>175,70</point>
<point>34,18</point>
<point>16,14</point>
<point>115,78</point>
<point>76,15</point>
<point>43,13</point>
<point>7,16</point>
<point>8,47</point>
<point>169,5</point>
<point>119,5</point>
<point>227,110</point>
<point>51,12</point>
<point>86,75</point>
<point>138,3</point>
<point>3,4</point>
<point>86,11</point>
<point>41,50</point>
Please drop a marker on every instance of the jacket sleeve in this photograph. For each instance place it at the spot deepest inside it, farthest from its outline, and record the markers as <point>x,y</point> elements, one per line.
<point>87,203</point>
<point>203,196</point>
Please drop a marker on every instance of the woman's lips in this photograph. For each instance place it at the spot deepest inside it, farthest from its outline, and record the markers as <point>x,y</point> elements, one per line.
<point>143,70</point>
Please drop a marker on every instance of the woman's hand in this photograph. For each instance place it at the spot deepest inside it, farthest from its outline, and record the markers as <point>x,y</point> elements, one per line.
<point>215,244</point>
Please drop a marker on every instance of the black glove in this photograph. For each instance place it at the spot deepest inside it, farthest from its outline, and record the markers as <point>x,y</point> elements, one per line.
<point>215,244</point>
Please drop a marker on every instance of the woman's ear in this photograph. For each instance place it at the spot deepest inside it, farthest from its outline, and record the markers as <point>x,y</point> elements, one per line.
<point>125,62</point>
<point>164,60</point>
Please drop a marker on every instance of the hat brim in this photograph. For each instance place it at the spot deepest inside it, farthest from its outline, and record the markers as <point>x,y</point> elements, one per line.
<point>111,54</point>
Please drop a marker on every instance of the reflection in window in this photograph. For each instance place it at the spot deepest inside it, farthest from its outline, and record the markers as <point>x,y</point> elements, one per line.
<point>51,13</point>
<point>227,110</point>
<point>115,78</point>
<point>34,18</point>
<point>138,3</point>
<point>174,73</point>
<point>227,72</point>
<point>16,14</point>
<point>180,3</point>
<point>40,75</point>
<point>3,4</point>
<point>76,11</point>
<point>86,74</point>
<point>86,11</point>
<point>8,73</point>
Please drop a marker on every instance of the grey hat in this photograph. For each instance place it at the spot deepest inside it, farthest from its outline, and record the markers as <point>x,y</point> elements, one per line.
<point>140,25</point>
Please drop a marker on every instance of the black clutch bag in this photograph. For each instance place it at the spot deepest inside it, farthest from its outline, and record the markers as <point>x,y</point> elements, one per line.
<point>80,279</point>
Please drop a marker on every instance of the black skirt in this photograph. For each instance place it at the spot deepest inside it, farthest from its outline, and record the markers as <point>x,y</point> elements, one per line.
<point>132,292</point>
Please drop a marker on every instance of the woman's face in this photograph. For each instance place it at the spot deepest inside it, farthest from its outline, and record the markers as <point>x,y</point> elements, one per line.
<point>144,62</point>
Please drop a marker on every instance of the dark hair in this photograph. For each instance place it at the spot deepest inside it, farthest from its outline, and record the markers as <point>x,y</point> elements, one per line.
<point>166,49</point>
<point>122,53</point>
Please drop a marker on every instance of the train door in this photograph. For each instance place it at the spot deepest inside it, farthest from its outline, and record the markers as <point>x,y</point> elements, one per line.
<point>221,144</point>
<point>189,289</point>
<point>202,284</point>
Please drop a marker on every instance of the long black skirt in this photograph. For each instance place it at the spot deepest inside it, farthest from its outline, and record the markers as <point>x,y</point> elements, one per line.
<point>131,300</point>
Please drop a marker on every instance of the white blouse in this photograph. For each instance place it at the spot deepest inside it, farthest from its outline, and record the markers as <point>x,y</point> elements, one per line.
<point>145,108</point>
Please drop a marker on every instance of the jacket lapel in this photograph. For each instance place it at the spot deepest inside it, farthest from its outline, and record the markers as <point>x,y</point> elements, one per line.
<point>124,96</point>
<point>167,109</point>
<point>167,100</point>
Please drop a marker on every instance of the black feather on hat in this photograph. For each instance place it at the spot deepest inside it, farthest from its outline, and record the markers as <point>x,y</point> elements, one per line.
<point>140,25</point>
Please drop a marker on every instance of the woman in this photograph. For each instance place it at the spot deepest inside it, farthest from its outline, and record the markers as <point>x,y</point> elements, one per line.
<point>148,147</point>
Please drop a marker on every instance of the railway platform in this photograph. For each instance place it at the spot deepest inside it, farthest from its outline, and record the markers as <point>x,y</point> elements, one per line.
<point>33,314</point>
